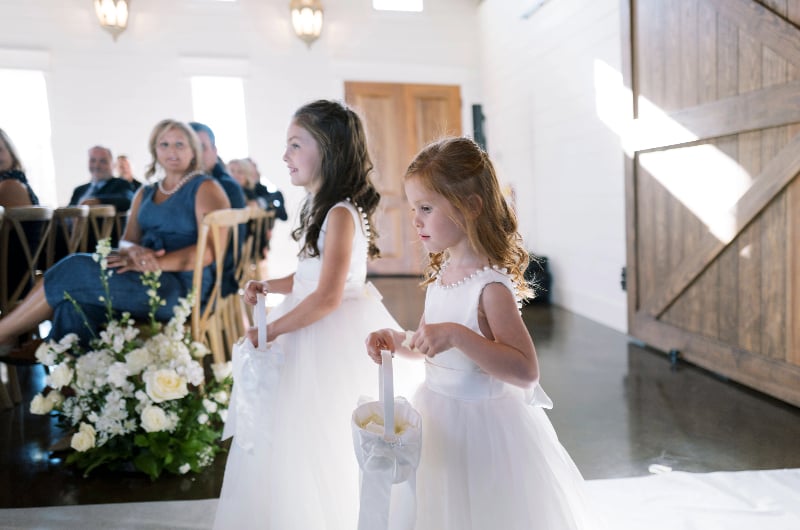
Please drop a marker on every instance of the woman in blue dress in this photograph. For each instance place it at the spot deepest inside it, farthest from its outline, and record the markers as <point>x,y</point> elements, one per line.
<point>161,234</point>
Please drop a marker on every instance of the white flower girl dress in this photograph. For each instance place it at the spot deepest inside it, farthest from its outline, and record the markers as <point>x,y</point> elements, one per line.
<point>302,471</point>
<point>490,457</point>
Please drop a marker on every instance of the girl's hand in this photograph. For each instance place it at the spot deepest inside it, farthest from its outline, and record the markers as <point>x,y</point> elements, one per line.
<point>378,341</point>
<point>432,339</point>
<point>254,288</point>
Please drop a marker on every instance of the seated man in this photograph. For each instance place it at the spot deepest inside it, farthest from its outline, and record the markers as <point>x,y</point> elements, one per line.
<point>104,188</point>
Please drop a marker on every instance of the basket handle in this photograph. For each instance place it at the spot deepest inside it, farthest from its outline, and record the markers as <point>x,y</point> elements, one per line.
<point>386,391</point>
<point>260,312</point>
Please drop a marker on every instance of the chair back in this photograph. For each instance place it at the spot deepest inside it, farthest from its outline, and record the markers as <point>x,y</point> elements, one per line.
<point>218,230</point>
<point>258,229</point>
<point>120,223</point>
<point>23,239</point>
<point>102,221</point>
<point>67,234</point>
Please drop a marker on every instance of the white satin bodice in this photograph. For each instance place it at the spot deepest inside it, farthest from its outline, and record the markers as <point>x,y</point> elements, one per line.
<point>451,372</point>
<point>308,270</point>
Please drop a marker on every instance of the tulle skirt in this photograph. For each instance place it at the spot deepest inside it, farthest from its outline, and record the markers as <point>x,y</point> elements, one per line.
<point>494,463</point>
<point>303,474</point>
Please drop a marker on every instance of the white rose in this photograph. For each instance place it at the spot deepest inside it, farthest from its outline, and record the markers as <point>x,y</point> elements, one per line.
<point>137,360</point>
<point>60,376</point>
<point>45,354</point>
<point>220,396</point>
<point>199,350</point>
<point>164,385</point>
<point>118,374</point>
<point>55,397</point>
<point>40,405</point>
<point>83,440</point>
<point>184,469</point>
<point>202,419</point>
<point>222,370</point>
<point>154,419</point>
<point>223,413</point>
<point>209,405</point>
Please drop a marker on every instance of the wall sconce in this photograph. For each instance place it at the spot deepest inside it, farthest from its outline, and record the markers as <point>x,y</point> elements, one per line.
<point>113,15</point>
<point>307,19</point>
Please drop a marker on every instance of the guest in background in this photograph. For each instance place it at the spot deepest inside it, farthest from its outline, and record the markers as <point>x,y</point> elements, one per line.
<point>268,197</point>
<point>125,172</point>
<point>245,172</point>
<point>104,188</point>
<point>212,165</point>
<point>161,235</point>
<point>14,187</point>
<point>15,192</point>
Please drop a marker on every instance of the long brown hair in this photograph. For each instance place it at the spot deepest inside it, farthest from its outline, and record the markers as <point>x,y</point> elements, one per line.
<point>460,171</point>
<point>15,161</point>
<point>345,171</point>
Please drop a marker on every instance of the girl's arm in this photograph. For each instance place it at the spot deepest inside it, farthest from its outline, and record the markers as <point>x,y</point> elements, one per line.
<point>276,285</point>
<point>506,352</point>
<point>335,265</point>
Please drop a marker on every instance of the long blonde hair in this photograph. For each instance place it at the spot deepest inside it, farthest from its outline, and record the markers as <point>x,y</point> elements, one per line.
<point>162,127</point>
<point>460,171</point>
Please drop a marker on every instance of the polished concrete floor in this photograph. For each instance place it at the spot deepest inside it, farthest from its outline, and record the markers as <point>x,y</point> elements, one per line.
<point>619,408</point>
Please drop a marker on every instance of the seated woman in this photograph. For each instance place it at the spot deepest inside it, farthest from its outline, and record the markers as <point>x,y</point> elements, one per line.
<point>14,187</point>
<point>161,234</point>
<point>14,192</point>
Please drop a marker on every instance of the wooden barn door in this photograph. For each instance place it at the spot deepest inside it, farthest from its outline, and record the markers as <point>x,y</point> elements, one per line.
<point>713,202</point>
<point>400,119</point>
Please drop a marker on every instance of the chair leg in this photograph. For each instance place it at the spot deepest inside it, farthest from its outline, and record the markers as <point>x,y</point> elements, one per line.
<point>5,397</point>
<point>13,385</point>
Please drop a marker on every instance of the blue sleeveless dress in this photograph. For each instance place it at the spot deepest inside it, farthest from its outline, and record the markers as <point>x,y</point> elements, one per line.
<point>169,225</point>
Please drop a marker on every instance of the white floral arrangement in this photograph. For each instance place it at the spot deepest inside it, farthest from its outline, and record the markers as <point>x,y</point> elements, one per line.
<point>131,399</point>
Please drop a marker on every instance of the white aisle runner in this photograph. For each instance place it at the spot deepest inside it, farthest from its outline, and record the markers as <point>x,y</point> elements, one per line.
<point>743,500</point>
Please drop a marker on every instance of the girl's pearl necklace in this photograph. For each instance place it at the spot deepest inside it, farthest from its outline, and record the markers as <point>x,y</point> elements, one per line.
<point>181,182</point>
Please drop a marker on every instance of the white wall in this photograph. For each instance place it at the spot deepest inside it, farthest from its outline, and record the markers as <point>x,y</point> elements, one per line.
<point>113,93</point>
<point>543,100</point>
<point>535,78</point>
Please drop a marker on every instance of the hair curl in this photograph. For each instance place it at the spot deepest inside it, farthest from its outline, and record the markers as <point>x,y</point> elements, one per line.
<point>460,171</point>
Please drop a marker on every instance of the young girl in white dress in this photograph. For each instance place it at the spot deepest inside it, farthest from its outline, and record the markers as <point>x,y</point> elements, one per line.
<point>302,473</point>
<point>490,457</point>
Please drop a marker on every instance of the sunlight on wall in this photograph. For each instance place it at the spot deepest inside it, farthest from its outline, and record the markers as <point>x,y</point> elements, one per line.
<point>25,116</point>
<point>219,103</point>
<point>704,179</point>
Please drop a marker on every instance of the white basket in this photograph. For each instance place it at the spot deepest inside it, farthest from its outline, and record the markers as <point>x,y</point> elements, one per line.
<point>256,377</point>
<point>386,457</point>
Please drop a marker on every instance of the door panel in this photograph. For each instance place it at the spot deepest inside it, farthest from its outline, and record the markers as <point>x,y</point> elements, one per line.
<point>711,187</point>
<point>400,119</point>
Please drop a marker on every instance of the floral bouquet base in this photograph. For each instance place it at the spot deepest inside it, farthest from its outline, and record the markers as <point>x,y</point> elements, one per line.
<point>133,400</point>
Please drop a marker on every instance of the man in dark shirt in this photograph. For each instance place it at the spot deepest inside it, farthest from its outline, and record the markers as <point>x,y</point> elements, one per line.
<point>213,166</point>
<point>104,188</point>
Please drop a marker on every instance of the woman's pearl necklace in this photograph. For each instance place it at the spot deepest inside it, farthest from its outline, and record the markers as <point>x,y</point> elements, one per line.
<point>181,182</point>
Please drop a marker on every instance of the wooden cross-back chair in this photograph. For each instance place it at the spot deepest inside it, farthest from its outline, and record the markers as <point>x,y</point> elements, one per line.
<point>210,323</point>
<point>67,233</point>
<point>24,237</point>
<point>257,240</point>
<point>102,223</point>
<point>23,240</point>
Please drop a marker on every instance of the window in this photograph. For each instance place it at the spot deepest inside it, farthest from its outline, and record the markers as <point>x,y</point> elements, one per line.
<point>397,5</point>
<point>219,103</point>
<point>25,117</point>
